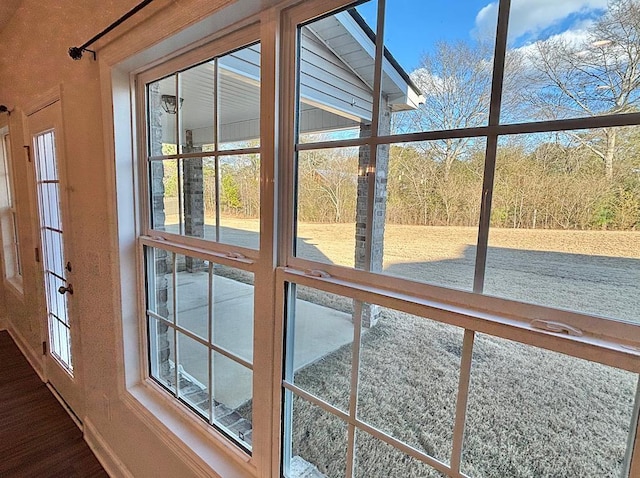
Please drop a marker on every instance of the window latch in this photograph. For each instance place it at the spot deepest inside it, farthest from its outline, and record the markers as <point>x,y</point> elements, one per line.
<point>235,255</point>
<point>317,273</point>
<point>558,327</point>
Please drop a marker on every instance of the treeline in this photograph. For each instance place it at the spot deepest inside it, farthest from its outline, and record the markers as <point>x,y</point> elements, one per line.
<point>550,185</point>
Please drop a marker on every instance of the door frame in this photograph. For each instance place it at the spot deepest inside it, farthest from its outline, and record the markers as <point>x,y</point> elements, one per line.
<point>44,115</point>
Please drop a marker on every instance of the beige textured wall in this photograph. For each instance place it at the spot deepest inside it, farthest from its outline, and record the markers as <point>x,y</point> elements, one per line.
<point>33,60</point>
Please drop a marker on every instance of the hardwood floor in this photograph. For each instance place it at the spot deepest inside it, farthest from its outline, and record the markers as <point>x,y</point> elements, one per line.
<point>37,436</point>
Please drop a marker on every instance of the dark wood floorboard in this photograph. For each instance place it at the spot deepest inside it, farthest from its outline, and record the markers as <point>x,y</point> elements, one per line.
<point>37,436</point>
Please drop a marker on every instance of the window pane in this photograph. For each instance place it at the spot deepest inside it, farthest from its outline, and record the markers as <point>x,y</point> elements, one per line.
<point>320,338</point>
<point>192,299</point>
<point>377,459</point>
<point>438,74</point>
<point>335,77</point>
<point>233,300</point>
<point>239,200</point>
<point>571,60</point>
<point>166,210</point>
<point>195,173</point>
<point>328,185</point>
<point>196,108</point>
<point>432,201</point>
<point>162,353</point>
<point>52,242</point>
<point>565,231</point>
<point>193,374</point>
<point>232,394</point>
<point>160,282</point>
<point>532,412</point>
<point>161,123</point>
<point>409,373</point>
<point>239,98</point>
<point>318,443</point>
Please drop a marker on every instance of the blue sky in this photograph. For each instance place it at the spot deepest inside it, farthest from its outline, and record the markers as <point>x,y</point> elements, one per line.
<point>413,26</point>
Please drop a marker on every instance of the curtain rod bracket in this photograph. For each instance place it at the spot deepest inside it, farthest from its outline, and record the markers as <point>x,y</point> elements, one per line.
<point>76,52</point>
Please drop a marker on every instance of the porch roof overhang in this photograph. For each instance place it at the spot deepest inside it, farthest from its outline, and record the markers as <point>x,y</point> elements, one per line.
<point>337,58</point>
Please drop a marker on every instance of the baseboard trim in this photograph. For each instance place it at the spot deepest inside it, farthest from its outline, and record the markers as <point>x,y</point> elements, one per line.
<point>32,357</point>
<point>105,455</point>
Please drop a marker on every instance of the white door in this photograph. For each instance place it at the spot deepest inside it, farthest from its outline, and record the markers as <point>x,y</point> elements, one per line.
<point>62,347</point>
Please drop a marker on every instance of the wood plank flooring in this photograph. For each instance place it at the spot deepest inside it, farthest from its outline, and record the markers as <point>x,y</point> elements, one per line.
<point>37,436</point>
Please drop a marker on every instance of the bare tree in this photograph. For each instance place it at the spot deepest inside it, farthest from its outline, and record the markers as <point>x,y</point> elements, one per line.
<point>456,82</point>
<point>598,75</point>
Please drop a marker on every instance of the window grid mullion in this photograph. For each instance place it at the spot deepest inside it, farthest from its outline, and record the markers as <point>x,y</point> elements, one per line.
<point>353,396</point>
<point>462,399</point>
<point>174,286</point>
<point>632,455</point>
<point>374,432</point>
<point>210,353</point>
<point>216,142</point>
<point>492,145</point>
<point>288,373</point>
<point>371,170</point>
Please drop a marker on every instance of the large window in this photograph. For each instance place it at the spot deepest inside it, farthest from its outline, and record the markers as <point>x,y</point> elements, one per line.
<point>465,192</point>
<point>201,237</point>
<point>8,223</point>
<point>401,238</point>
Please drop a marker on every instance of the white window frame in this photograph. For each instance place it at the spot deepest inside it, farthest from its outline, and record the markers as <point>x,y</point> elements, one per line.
<point>611,343</point>
<point>9,220</point>
<point>605,341</point>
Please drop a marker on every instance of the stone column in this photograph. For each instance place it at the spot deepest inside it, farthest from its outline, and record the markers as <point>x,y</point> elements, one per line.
<point>372,233</point>
<point>193,198</point>
<point>161,257</point>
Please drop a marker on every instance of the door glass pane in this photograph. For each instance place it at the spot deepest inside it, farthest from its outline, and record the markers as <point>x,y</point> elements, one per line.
<point>48,193</point>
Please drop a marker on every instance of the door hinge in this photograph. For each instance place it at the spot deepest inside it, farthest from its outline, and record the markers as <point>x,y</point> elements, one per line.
<point>28,148</point>
<point>44,348</point>
<point>37,254</point>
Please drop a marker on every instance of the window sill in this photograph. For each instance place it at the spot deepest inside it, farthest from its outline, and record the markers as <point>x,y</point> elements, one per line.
<point>198,445</point>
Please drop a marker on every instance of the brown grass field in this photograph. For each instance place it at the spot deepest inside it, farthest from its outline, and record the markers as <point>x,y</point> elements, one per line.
<point>531,413</point>
<point>595,272</point>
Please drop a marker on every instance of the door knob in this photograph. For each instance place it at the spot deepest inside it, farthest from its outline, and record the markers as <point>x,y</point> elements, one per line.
<point>62,289</point>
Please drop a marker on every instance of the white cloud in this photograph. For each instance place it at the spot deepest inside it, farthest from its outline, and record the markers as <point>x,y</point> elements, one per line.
<point>578,37</point>
<point>530,17</point>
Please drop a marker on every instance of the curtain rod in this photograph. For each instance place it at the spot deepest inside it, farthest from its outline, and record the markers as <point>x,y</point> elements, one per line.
<point>75,52</point>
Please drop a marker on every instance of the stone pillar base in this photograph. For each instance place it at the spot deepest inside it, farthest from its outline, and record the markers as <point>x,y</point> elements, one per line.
<point>370,313</point>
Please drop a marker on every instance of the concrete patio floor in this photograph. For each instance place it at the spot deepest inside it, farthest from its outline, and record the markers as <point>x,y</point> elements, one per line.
<point>318,331</point>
